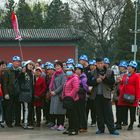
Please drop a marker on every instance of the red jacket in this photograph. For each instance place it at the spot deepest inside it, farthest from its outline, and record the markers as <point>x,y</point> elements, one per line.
<point>132,87</point>
<point>71,87</point>
<point>39,91</point>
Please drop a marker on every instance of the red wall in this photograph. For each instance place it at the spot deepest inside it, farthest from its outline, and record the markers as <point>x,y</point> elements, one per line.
<point>33,53</point>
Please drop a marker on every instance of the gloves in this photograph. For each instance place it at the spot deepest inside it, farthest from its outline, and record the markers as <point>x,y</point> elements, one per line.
<point>7,97</point>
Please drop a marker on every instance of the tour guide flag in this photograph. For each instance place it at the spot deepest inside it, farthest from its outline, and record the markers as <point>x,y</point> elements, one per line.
<point>15,26</point>
<point>16,30</point>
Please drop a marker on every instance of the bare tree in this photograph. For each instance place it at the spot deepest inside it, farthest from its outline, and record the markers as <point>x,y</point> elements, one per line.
<point>104,16</point>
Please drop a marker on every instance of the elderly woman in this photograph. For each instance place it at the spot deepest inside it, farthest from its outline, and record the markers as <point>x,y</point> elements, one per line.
<point>130,86</point>
<point>56,87</point>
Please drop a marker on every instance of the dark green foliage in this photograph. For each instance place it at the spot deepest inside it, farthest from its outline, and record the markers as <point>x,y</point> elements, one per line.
<point>6,21</point>
<point>58,15</point>
<point>37,16</point>
<point>125,38</point>
<point>24,15</point>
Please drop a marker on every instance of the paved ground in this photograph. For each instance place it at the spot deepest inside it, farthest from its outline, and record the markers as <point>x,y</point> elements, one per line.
<point>44,133</point>
<point>47,134</point>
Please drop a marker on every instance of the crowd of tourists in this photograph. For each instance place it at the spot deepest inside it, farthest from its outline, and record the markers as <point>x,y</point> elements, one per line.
<point>59,91</point>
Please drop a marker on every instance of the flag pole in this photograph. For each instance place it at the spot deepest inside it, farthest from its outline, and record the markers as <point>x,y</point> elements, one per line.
<point>20,47</point>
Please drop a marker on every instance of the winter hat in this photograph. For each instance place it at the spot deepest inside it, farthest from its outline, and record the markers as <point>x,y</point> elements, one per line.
<point>38,68</point>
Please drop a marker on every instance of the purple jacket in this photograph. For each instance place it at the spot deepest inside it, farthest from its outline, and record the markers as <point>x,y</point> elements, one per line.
<point>83,81</point>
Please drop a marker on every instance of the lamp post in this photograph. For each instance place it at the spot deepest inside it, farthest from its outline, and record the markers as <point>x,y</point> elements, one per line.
<point>134,49</point>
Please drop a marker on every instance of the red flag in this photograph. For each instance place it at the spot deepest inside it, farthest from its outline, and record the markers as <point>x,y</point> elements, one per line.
<point>15,26</point>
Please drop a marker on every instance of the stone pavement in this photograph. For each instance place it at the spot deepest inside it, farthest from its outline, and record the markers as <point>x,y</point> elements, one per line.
<point>44,133</point>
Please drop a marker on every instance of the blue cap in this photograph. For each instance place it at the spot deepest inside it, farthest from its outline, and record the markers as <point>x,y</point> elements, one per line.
<point>50,66</point>
<point>47,63</point>
<point>133,64</point>
<point>123,64</point>
<point>70,61</point>
<point>79,66</point>
<point>106,61</point>
<point>92,62</point>
<point>83,57</point>
<point>16,58</point>
<point>69,67</point>
<point>9,65</point>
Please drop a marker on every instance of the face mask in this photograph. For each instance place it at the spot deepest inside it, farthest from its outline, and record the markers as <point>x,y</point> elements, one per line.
<point>69,73</point>
<point>129,74</point>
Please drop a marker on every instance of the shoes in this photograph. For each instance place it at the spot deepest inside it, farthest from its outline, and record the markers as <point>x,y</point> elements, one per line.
<point>130,127</point>
<point>72,133</point>
<point>66,132</point>
<point>118,126</point>
<point>60,128</point>
<point>54,127</point>
<point>124,124</point>
<point>82,130</point>
<point>2,125</point>
<point>50,124</point>
<point>99,132</point>
<point>115,132</point>
<point>9,125</point>
<point>30,127</point>
<point>25,126</point>
<point>93,124</point>
<point>138,125</point>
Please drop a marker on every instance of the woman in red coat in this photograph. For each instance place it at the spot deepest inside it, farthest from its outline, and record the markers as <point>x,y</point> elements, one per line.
<point>130,85</point>
<point>39,92</point>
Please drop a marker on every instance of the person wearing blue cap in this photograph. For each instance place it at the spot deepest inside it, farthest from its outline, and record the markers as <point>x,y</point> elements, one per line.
<point>130,86</point>
<point>106,62</point>
<point>102,81</point>
<point>70,61</point>
<point>90,106</point>
<point>122,71</point>
<point>84,61</point>
<point>70,100</point>
<point>83,90</point>
<point>50,121</point>
<point>11,93</point>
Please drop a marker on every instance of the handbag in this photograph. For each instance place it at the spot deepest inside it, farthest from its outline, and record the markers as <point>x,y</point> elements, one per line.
<point>128,98</point>
<point>68,102</point>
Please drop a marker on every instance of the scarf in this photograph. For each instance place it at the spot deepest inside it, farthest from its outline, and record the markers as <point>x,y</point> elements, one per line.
<point>51,87</point>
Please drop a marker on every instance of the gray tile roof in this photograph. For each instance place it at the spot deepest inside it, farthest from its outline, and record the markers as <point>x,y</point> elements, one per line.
<point>42,34</point>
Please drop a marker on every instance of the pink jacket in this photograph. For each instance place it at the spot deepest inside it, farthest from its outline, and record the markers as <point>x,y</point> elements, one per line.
<point>71,87</point>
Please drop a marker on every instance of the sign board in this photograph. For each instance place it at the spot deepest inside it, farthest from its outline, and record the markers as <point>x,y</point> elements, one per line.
<point>134,48</point>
